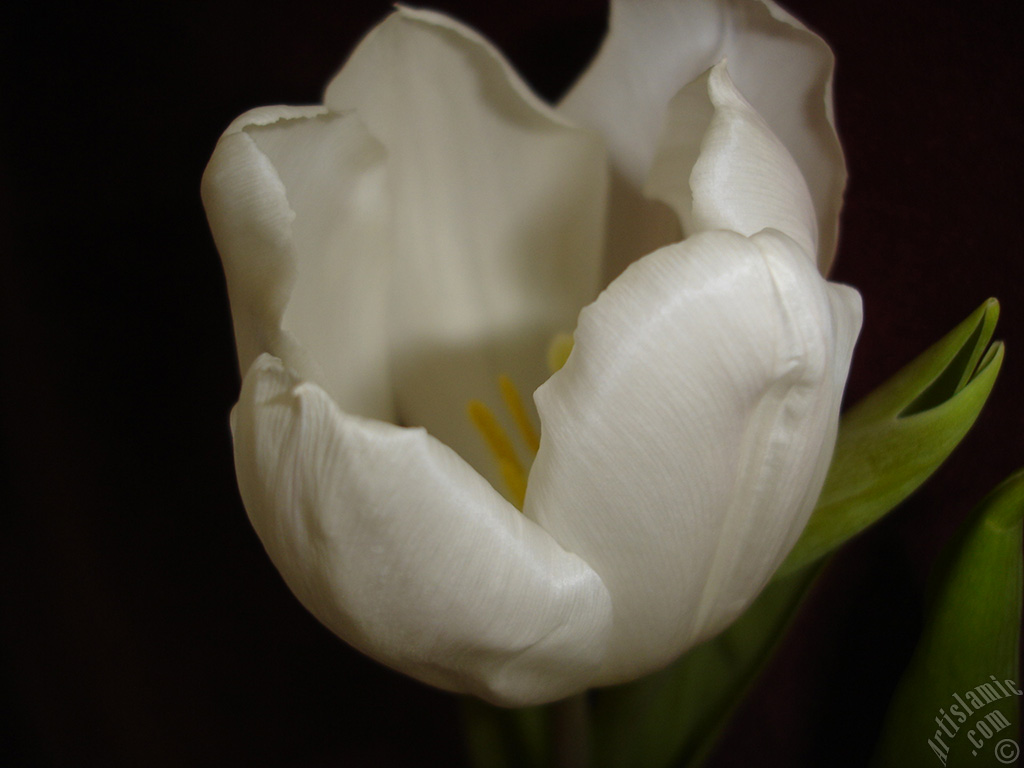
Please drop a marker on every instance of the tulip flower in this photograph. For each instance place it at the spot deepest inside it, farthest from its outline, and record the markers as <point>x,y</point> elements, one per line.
<point>399,261</point>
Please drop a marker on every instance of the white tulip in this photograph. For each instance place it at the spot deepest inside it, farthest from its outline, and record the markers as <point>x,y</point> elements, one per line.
<point>391,254</point>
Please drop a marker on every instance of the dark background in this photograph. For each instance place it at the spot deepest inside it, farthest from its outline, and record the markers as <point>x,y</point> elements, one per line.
<point>143,625</point>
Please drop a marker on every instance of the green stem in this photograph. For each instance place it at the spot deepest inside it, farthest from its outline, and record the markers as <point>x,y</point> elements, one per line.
<point>570,733</point>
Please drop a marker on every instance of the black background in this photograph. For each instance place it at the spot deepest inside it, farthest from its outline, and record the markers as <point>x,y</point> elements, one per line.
<point>143,625</point>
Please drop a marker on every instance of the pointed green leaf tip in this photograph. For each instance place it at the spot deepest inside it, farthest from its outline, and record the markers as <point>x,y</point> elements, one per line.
<point>958,704</point>
<point>894,439</point>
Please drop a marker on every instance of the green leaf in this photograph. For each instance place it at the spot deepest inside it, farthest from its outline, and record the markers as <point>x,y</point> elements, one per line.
<point>894,439</point>
<point>959,699</point>
<point>674,716</point>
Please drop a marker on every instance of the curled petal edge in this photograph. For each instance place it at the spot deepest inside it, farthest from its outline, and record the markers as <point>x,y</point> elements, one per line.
<point>404,551</point>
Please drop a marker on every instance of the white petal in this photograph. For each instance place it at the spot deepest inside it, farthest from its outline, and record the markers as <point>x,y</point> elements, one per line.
<point>720,166</point>
<point>401,549</point>
<point>687,437</point>
<point>655,47</point>
<point>296,202</point>
<point>498,211</point>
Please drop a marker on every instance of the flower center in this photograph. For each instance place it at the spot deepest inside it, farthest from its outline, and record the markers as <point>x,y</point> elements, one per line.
<point>513,471</point>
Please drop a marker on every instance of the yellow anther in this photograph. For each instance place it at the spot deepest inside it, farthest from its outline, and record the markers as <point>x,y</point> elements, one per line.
<point>515,406</point>
<point>512,471</point>
<point>558,351</point>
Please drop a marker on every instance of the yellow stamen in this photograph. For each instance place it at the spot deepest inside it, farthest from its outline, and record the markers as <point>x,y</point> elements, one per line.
<point>558,351</point>
<point>515,406</point>
<point>512,471</point>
